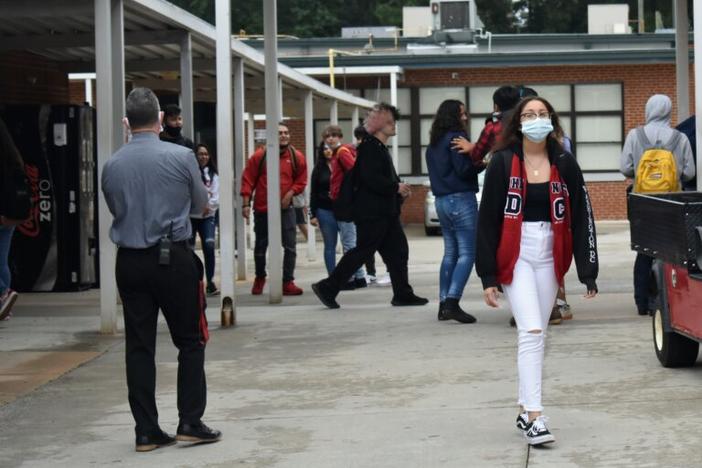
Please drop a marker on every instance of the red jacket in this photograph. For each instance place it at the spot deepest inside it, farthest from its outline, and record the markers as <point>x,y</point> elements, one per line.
<point>257,183</point>
<point>343,160</point>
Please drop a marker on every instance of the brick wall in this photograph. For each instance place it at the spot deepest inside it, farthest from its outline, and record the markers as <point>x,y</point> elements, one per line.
<point>30,79</point>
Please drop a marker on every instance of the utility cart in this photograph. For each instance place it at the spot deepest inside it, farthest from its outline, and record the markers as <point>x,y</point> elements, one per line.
<point>668,227</point>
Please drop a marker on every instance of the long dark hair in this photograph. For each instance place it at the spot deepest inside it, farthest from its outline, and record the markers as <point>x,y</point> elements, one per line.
<point>211,164</point>
<point>320,154</point>
<point>447,119</point>
<point>511,130</point>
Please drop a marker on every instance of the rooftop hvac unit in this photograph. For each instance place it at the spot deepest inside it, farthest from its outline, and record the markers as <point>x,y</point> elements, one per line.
<point>454,20</point>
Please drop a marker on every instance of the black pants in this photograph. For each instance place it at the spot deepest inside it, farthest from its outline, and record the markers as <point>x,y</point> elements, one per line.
<point>643,267</point>
<point>145,287</point>
<point>288,226</point>
<point>385,236</point>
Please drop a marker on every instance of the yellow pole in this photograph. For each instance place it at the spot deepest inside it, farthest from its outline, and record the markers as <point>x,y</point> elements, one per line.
<point>331,67</point>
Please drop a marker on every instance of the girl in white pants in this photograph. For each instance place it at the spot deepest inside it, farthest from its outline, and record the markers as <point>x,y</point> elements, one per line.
<point>531,295</point>
<point>535,216</point>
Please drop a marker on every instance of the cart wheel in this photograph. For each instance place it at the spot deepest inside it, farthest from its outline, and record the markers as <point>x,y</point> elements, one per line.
<point>672,349</point>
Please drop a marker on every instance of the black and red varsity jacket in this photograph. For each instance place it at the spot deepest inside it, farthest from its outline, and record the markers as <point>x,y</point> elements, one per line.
<point>492,208</point>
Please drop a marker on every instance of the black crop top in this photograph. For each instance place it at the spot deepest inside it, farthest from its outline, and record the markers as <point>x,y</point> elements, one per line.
<point>536,206</point>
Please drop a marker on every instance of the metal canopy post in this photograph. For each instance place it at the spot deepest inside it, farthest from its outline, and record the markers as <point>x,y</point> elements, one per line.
<point>334,112</point>
<point>697,26</point>
<point>239,141</point>
<point>275,264</point>
<point>311,155</point>
<point>109,67</point>
<point>354,120</point>
<point>186,85</point>
<point>224,153</point>
<point>682,59</point>
<point>393,101</point>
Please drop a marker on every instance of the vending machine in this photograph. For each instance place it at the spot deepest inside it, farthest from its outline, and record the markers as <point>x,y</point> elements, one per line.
<point>56,248</point>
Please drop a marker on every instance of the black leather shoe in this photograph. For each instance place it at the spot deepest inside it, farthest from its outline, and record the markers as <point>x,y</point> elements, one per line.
<point>145,443</point>
<point>411,300</point>
<point>452,311</point>
<point>325,294</point>
<point>197,433</point>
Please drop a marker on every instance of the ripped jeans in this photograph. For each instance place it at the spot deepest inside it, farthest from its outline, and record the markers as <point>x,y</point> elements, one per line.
<point>531,296</point>
<point>205,227</point>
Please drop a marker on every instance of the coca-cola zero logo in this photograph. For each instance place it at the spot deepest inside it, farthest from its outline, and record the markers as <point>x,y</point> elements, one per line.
<point>41,202</point>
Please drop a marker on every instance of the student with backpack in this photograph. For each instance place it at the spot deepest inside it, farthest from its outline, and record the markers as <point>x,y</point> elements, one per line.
<point>254,183</point>
<point>658,158</point>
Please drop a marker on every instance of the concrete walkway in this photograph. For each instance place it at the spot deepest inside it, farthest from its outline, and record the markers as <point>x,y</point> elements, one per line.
<point>368,385</point>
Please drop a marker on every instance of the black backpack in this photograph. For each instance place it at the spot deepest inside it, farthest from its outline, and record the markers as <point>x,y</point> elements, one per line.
<point>343,205</point>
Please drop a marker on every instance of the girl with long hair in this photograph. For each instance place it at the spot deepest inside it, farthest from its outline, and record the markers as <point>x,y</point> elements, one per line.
<point>535,215</point>
<point>321,205</point>
<point>204,224</point>
<point>454,182</point>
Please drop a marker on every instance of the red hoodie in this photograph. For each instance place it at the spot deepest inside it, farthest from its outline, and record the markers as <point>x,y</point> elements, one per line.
<point>257,183</point>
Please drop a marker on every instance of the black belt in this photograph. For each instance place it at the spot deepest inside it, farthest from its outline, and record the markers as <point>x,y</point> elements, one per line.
<point>182,243</point>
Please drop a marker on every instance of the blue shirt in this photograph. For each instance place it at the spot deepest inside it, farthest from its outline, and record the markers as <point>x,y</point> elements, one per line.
<point>450,171</point>
<point>149,184</point>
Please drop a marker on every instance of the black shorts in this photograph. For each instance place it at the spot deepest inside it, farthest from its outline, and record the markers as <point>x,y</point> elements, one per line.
<point>300,216</point>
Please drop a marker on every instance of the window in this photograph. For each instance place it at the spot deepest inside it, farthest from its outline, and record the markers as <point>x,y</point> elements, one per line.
<point>430,98</point>
<point>599,122</point>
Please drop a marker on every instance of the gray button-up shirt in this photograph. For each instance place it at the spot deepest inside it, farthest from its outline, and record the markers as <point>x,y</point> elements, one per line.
<point>149,184</point>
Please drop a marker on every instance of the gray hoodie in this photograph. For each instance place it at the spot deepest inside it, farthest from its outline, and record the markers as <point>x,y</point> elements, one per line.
<point>658,111</point>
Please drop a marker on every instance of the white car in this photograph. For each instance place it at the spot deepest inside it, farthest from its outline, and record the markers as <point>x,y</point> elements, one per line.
<point>432,227</point>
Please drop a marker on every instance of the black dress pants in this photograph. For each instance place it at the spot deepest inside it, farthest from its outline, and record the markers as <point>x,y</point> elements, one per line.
<point>386,237</point>
<point>145,287</point>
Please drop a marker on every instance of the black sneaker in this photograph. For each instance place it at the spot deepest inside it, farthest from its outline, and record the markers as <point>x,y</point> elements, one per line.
<point>145,443</point>
<point>440,316</point>
<point>212,290</point>
<point>348,286</point>
<point>411,300</point>
<point>522,421</point>
<point>536,432</point>
<point>197,433</point>
<point>360,283</point>
<point>325,294</point>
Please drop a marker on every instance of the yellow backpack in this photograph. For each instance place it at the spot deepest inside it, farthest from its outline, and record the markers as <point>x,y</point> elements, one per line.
<point>657,170</point>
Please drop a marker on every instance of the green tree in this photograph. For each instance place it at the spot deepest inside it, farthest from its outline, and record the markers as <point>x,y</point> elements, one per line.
<point>497,15</point>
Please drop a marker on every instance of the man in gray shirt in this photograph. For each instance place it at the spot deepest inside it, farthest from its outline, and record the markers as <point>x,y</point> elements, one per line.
<point>151,187</point>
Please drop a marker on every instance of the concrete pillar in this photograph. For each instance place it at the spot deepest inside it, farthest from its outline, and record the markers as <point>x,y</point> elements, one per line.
<point>697,26</point>
<point>334,113</point>
<point>275,262</point>
<point>354,119</point>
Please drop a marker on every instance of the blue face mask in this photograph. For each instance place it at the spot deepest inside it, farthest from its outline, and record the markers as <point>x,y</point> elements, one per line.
<point>537,130</point>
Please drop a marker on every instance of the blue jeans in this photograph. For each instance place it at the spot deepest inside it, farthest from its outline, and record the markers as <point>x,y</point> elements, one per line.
<point>330,234</point>
<point>5,241</point>
<point>205,227</point>
<point>458,216</point>
<point>347,230</point>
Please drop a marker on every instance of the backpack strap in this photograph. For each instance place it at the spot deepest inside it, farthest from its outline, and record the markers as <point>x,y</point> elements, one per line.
<point>643,139</point>
<point>673,142</point>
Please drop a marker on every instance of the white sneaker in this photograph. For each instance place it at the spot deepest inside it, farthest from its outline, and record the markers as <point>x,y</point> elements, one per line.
<point>384,280</point>
<point>371,279</point>
<point>536,432</point>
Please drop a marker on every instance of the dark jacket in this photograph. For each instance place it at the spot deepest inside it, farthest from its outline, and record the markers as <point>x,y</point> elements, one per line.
<point>319,188</point>
<point>450,171</point>
<point>376,183</point>
<point>491,215</point>
<point>179,140</point>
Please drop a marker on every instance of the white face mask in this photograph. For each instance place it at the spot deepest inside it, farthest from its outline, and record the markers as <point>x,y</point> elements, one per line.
<point>537,130</point>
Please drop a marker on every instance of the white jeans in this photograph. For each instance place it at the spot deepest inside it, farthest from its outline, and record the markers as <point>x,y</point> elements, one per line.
<point>531,296</point>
